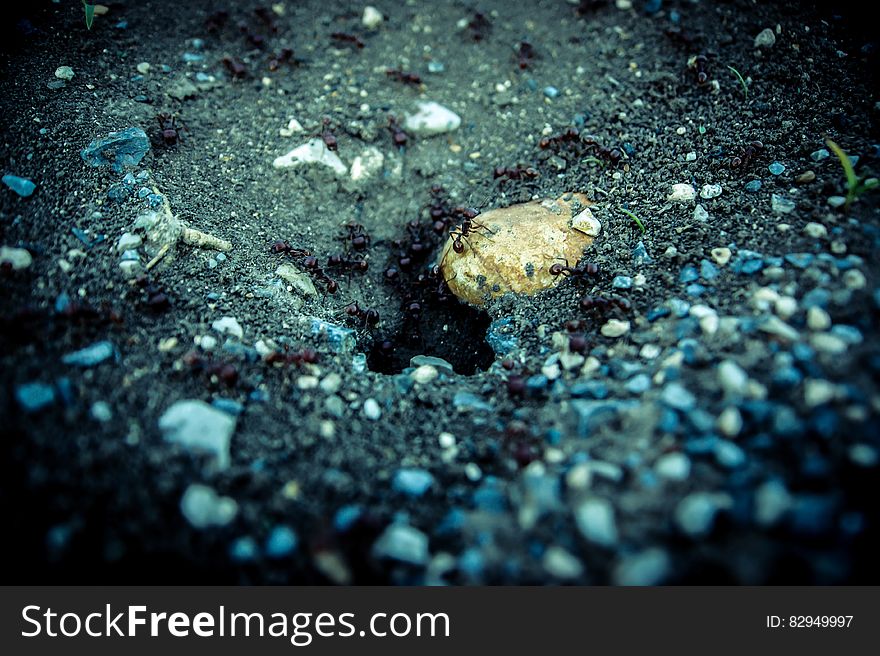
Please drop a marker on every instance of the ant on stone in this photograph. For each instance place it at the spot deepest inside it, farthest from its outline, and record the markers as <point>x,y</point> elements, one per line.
<point>467,226</point>
<point>369,316</point>
<point>170,128</point>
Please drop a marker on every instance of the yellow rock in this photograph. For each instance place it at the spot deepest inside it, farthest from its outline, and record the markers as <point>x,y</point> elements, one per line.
<point>511,249</point>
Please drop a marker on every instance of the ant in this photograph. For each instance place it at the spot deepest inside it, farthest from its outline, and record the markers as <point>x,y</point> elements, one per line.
<point>571,135</point>
<point>515,172</point>
<point>311,263</point>
<point>603,304</point>
<point>357,236</point>
<point>344,37</point>
<point>236,67</point>
<point>286,55</point>
<point>525,53</point>
<point>747,155</point>
<point>327,135</point>
<point>282,246</point>
<point>700,64</point>
<point>369,316</point>
<point>403,76</point>
<point>398,136</point>
<point>303,356</point>
<point>479,26</point>
<point>339,261</point>
<point>169,128</point>
<point>466,226</point>
<point>588,269</point>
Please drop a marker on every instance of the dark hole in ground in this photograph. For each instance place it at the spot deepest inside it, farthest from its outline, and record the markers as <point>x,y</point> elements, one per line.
<point>453,331</point>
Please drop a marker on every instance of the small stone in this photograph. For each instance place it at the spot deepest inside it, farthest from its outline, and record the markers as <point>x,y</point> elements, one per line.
<point>729,422</point>
<point>424,374</point>
<point>300,282</point>
<point>819,155</point>
<point>561,564</point>
<point>775,326</point>
<point>313,152</point>
<point>281,542</point>
<point>228,326</point>
<point>372,17</point>
<point>595,520</point>
<point>818,319</point>
<point>203,507</point>
<point>765,39</point>
<point>306,383</point>
<point>17,258</point>
<point>22,186</point>
<point>650,351</point>
<point>64,73</point>
<point>293,127</point>
<point>695,514</point>
<point>90,355</point>
<point>101,411</point>
<point>198,427</point>
<point>437,363</point>
<point>700,213</point>
<point>119,150</point>
<point>733,379</point>
<point>402,543</point>
<point>33,397</point>
<point>776,168</point>
<point>864,455</point>
<point>143,68</point>
<point>673,466</point>
<point>806,177</point>
<point>412,481</point>
<point>340,338</point>
<point>586,223</point>
<point>781,205</point>
<point>615,328</point>
<point>678,397</point>
<point>649,567</point>
<point>772,501</point>
<point>819,392</point>
<point>836,201</point>
<point>753,186</point>
<point>622,282</point>
<point>854,279</point>
<point>721,255</point>
<point>815,230</point>
<point>367,165</point>
<point>710,191</point>
<point>430,119</point>
<point>682,193</point>
<point>128,241</point>
<point>828,343</point>
<point>372,410</point>
<point>331,383</point>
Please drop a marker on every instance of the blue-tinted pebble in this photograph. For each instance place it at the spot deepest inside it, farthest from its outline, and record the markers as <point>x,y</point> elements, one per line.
<point>849,334</point>
<point>62,302</point>
<point>412,481</point>
<point>471,563</point>
<point>653,6</point>
<point>435,66</point>
<point>469,401</point>
<point>702,421</point>
<point>787,377</point>
<point>669,421</point>
<point>595,389</point>
<point>282,542</point>
<point>688,274</point>
<point>753,186</point>
<point>640,255</point>
<point>192,58</point>
<point>695,290</point>
<point>22,186</point>
<point>143,192</point>
<point>701,446</point>
<point>229,406</point>
<point>341,339</point>
<point>119,150</point>
<point>243,549</point>
<point>622,282</point>
<point>657,313</point>
<point>591,414</point>
<point>345,517</point>
<point>90,355</point>
<point>708,271</point>
<point>553,436</point>
<point>800,260</point>
<point>551,91</point>
<point>490,496</point>
<point>729,455</point>
<point>679,307</point>
<point>678,397</point>
<point>819,155</point>
<point>121,25</point>
<point>825,422</point>
<point>34,396</point>
<point>638,384</point>
<point>776,168</point>
<point>501,336</point>
<point>628,148</point>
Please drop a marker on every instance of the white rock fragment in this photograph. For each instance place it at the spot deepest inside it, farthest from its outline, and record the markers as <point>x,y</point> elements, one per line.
<point>775,326</point>
<point>561,564</point>
<point>372,17</point>
<point>700,213</point>
<point>198,427</point>
<point>707,317</point>
<point>432,118</point>
<point>818,392</point>
<point>586,223</point>
<point>673,466</point>
<point>404,543</point>
<point>710,191</point>
<point>314,151</point>
<point>615,328</point>
<point>772,501</point>
<point>64,73</point>
<point>143,68</point>
<point>721,255</point>
<point>293,127</point>
<point>17,258</point>
<point>367,164</point>
<point>818,319</point>
<point>424,374</point>
<point>733,379</point>
<point>300,282</point>
<point>729,422</point>
<point>828,343</point>
<point>649,567</point>
<point>682,193</point>
<point>765,39</point>
<point>372,411</point>
<point>815,230</point>
<point>595,520</point>
<point>695,514</point>
<point>228,326</point>
<point>128,241</point>
<point>204,508</point>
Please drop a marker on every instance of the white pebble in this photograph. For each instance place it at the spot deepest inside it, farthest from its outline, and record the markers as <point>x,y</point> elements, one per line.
<point>586,223</point>
<point>710,191</point>
<point>815,230</point>
<point>595,520</point>
<point>700,213</point>
<point>682,193</point>
<point>729,422</point>
<point>721,255</point>
<point>673,466</point>
<point>424,374</point>
<point>372,410</point>
<point>818,319</point>
<point>228,326</point>
<point>64,73</point>
<point>372,18</point>
<point>615,328</point>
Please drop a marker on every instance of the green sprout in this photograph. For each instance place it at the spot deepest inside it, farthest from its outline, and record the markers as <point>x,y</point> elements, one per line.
<point>741,81</point>
<point>90,14</point>
<point>855,186</point>
<point>637,220</point>
<point>593,160</point>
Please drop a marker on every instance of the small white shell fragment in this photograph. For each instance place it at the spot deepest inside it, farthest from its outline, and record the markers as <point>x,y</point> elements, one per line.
<point>367,164</point>
<point>432,118</point>
<point>372,17</point>
<point>314,151</point>
<point>682,193</point>
<point>586,223</point>
<point>293,127</point>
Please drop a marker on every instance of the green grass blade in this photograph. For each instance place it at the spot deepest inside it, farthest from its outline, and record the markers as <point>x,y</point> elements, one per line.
<point>637,220</point>
<point>90,14</point>
<point>741,81</point>
<point>852,180</point>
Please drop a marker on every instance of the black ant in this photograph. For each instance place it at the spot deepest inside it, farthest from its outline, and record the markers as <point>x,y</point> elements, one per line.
<point>398,136</point>
<point>479,26</point>
<point>515,172</point>
<point>345,38</point>
<point>403,76</point>
<point>603,304</point>
<point>747,155</point>
<point>169,129</point>
<point>466,226</point>
<point>357,236</point>
<point>282,246</point>
<point>525,53</point>
<point>588,269</point>
<point>303,356</point>
<point>236,67</point>
<point>700,64</point>
<point>341,262</point>
<point>327,135</point>
<point>284,56</point>
<point>369,316</point>
<point>311,263</point>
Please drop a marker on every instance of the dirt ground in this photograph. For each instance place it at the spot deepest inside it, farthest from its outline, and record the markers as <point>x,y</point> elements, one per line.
<point>729,434</point>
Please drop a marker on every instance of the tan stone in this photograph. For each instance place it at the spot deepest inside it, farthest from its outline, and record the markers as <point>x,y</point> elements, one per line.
<point>515,248</point>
